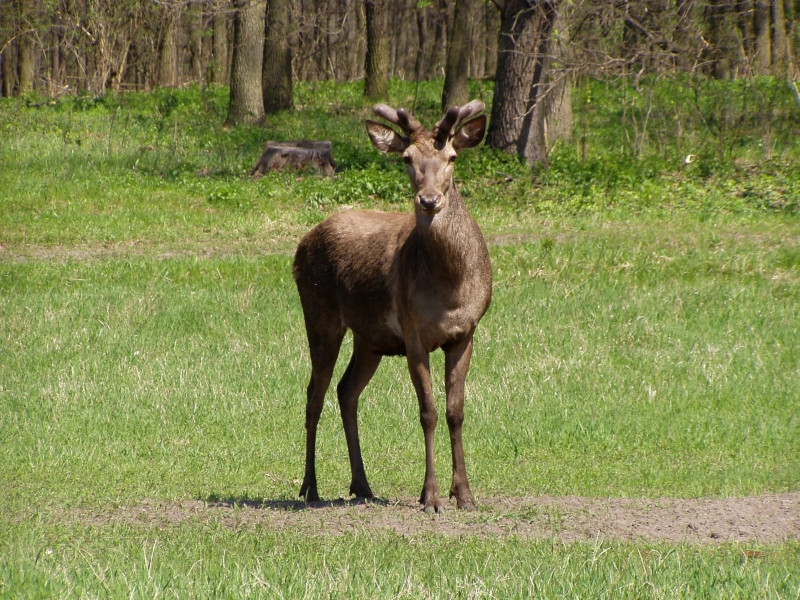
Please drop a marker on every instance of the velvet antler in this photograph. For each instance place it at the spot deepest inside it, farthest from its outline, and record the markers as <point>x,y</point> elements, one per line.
<point>400,117</point>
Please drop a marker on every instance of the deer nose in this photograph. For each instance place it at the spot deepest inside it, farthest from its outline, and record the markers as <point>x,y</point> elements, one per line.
<point>430,203</point>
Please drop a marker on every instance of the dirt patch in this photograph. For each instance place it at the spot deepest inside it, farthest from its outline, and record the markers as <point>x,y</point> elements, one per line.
<point>763,519</point>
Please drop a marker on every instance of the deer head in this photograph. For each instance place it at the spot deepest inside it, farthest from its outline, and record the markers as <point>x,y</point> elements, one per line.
<point>429,156</point>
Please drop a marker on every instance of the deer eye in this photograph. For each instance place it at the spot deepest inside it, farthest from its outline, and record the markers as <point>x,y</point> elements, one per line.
<point>452,159</point>
<point>407,159</point>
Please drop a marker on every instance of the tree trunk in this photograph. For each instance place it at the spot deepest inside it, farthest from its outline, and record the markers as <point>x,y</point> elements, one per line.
<point>246,101</point>
<point>9,28</point>
<point>420,64</point>
<point>376,65</point>
<point>168,53</point>
<point>277,70</point>
<point>780,41</point>
<point>493,19</point>
<point>56,71</point>
<point>725,43</point>
<point>515,65</point>
<point>194,23</point>
<point>9,59</point>
<point>332,36</point>
<point>519,109</point>
<point>457,65</point>
<point>547,96</point>
<point>762,51</point>
<point>353,41</point>
<point>25,57</point>
<point>220,51</point>
<point>438,52</point>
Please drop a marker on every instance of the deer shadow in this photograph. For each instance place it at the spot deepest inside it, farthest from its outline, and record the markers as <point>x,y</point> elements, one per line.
<point>246,501</point>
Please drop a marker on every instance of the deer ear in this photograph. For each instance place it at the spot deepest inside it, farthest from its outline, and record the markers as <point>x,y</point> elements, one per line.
<point>470,133</point>
<point>385,138</point>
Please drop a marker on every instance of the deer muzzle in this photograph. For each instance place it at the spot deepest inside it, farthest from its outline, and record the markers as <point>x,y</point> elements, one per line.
<point>429,203</point>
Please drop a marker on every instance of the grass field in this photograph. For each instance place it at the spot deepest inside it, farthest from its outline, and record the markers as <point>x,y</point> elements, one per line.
<point>643,342</point>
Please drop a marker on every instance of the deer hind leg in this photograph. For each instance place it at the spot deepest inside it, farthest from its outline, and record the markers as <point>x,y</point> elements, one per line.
<point>324,349</point>
<point>457,359</point>
<point>362,367</point>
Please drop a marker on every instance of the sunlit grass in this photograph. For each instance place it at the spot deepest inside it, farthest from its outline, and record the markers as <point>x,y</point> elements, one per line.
<point>75,562</point>
<point>614,365</point>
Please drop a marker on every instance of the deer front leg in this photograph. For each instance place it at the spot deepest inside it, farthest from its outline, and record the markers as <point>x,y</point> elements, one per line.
<point>419,368</point>
<point>457,359</point>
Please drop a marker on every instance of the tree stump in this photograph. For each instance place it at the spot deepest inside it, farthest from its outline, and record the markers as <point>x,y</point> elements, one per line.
<point>297,155</point>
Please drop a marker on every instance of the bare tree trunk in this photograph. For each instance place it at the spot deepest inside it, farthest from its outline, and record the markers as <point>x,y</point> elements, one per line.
<point>725,44</point>
<point>457,66</point>
<point>376,65</point>
<point>793,44</point>
<point>523,63</point>
<point>320,50</point>
<point>56,70</point>
<point>25,48</point>
<point>168,53</point>
<point>762,44</point>
<point>493,18</point>
<point>400,63</point>
<point>194,23</point>
<point>246,101</point>
<point>9,28</point>
<point>354,40</point>
<point>332,38</point>
<point>220,53</point>
<point>781,58</point>
<point>420,63</point>
<point>684,57</point>
<point>277,69</point>
<point>9,59</point>
<point>514,76</point>
<point>545,95</point>
<point>439,50</point>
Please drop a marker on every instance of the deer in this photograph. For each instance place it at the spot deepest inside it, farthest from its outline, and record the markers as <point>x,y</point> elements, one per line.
<point>405,284</point>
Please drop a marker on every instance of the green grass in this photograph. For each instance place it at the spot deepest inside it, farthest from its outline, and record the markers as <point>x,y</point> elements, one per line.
<point>217,562</point>
<point>613,362</point>
<point>643,341</point>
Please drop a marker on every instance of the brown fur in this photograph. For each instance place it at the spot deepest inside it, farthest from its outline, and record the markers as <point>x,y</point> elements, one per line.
<point>405,284</point>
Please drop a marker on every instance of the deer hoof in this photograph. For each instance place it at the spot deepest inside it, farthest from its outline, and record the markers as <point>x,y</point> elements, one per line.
<point>432,505</point>
<point>464,502</point>
<point>361,490</point>
<point>309,492</point>
<point>463,497</point>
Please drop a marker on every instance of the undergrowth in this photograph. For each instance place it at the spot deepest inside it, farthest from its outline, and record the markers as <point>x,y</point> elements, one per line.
<point>692,146</point>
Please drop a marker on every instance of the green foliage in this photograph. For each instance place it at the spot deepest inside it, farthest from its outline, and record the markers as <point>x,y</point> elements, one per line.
<point>667,119</point>
<point>688,143</point>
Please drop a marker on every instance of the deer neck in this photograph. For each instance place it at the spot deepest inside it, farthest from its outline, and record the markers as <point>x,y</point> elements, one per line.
<point>450,242</point>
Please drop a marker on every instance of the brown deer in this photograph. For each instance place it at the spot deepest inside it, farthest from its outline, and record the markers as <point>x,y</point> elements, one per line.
<point>405,284</point>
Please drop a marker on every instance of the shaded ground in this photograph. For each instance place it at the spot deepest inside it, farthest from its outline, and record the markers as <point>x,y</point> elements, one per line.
<point>764,519</point>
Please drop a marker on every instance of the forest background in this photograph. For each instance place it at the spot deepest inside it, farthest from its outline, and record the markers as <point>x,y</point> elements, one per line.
<point>534,52</point>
